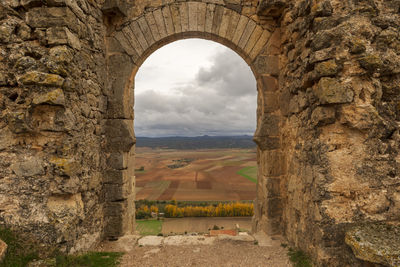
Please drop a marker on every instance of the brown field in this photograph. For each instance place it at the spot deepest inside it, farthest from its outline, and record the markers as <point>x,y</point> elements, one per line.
<point>210,176</point>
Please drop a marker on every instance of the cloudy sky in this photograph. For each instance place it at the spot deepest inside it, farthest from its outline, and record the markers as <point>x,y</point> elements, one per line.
<point>194,87</point>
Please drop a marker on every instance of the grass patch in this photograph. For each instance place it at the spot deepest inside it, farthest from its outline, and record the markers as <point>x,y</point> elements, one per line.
<point>250,173</point>
<point>299,258</point>
<point>149,227</point>
<point>19,252</point>
<point>90,259</point>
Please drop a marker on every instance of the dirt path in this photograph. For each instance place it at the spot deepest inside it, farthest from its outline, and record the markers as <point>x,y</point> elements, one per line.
<point>219,253</point>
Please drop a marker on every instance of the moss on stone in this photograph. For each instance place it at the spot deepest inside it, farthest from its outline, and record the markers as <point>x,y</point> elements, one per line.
<point>41,78</point>
<point>55,97</point>
<point>67,166</point>
<point>371,62</point>
<point>326,68</point>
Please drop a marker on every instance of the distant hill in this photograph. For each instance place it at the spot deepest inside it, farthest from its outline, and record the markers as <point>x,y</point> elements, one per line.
<point>198,142</point>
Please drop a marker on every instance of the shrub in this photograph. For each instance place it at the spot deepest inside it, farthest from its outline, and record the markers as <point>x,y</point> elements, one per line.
<point>221,210</point>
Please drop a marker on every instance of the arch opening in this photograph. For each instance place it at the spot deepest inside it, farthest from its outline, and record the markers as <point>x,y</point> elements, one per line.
<point>195,115</point>
<point>256,44</point>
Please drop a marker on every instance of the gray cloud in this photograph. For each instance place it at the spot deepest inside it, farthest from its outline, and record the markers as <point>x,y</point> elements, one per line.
<point>221,100</point>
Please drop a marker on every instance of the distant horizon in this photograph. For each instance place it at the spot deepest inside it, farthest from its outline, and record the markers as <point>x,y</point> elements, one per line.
<point>187,136</point>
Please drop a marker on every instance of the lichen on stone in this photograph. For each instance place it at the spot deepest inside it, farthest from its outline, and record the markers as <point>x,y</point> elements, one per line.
<point>376,242</point>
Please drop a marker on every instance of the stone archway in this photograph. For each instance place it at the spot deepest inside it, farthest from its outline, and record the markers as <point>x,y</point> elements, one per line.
<point>129,46</point>
<point>328,119</point>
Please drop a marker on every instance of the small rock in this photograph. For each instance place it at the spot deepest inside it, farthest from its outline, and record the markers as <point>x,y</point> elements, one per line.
<point>357,46</point>
<point>28,167</point>
<point>55,97</point>
<point>326,68</point>
<point>330,91</point>
<point>322,9</point>
<point>371,62</point>
<point>66,166</point>
<point>323,116</point>
<point>25,63</point>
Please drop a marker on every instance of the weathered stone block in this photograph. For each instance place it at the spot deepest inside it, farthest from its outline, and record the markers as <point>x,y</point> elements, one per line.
<point>271,8</point>
<point>117,192</point>
<point>41,78</point>
<point>120,91</point>
<point>115,208</point>
<point>331,91</point>
<point>323,116</point>
<point>270,83</point>
<point>371,62</point>
<point>273,189</point>
<point>66,166</point>
<point>44,17</point>
<point>31,3</point>
<point>274,207</point>
<point>61,36</point>
<point>326,68</point>
<point>118,160</point>
<point>322,8</point>
<point>267,65</point>
<point>274,164</point>
<point>376,243</point>
<point>269,126</point>
<point>120,135</point>
<point>28,167</point>
<point>116,226</point>
<point>55,97</point>
<point>117,7</point>
<point>271,102</point>
<point>117,177</point>
<point>267,143</point>
<point>321,40</point>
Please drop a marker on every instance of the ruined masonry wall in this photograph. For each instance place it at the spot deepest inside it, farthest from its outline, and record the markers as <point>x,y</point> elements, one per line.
<point>52,105</point>
<point>339,84</point>
<point>328,75</point>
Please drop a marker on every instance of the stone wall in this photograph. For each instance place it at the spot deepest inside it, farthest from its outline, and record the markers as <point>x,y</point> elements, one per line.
<point>328,109</point>
<point>52,105</point>
<point>339,84</point>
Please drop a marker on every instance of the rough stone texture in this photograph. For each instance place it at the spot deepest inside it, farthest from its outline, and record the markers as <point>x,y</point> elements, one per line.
<point>377,243</point>
<point>328,138</point>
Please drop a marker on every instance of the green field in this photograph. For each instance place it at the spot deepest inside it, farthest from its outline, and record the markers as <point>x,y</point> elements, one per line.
<point>148,227</point>
<point>249,173</point>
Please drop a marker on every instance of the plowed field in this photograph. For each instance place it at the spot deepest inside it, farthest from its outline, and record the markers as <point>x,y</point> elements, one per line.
<point>196,175</point>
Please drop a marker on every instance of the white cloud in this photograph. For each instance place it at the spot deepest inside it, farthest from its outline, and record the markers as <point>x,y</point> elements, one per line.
<point>195,87</point>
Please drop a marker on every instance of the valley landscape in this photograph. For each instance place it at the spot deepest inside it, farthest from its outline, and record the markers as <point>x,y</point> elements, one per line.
<point>196,174</point>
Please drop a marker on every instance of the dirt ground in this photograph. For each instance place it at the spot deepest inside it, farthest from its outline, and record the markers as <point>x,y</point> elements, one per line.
<point>210,175</point>
<point>223,253</point>
<point>220,253</point>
